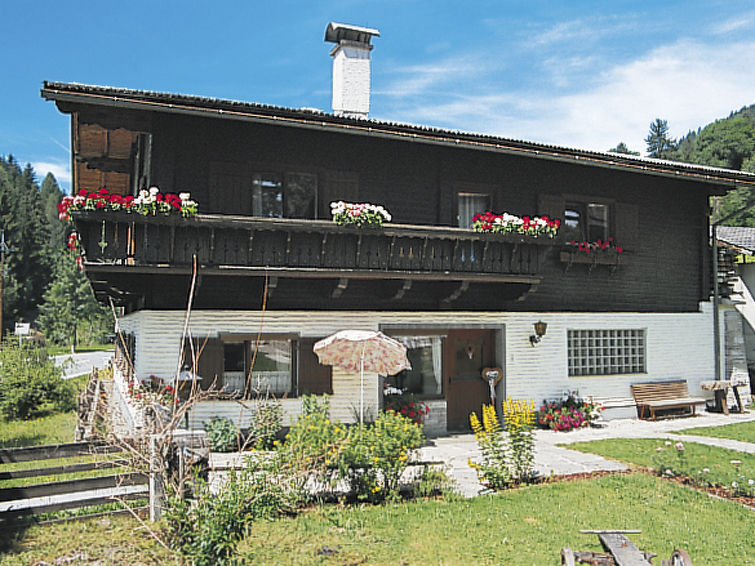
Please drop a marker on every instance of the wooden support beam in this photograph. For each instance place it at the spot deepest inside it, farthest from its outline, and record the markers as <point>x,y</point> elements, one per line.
<point>458,293</point>
<point>402,291</point>
<point>343,282</point>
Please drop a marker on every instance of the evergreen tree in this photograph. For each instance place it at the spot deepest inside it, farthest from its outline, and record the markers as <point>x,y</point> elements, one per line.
<point>70,312</point>
<point>659,144</point>
<point>725,143</point>
<point>622,148</point>
<point>52,195</point>
<point>27,231</point>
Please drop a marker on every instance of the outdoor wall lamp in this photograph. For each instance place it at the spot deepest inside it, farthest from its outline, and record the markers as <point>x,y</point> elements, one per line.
<point>540,328</point>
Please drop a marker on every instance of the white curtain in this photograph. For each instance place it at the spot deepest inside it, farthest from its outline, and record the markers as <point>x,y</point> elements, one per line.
<point>438,362</point>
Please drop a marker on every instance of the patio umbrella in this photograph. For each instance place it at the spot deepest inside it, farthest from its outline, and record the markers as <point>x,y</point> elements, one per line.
<point>362,350</point>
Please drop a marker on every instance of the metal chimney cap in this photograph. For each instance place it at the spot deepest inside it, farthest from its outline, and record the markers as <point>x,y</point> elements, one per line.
<point>335,32</point>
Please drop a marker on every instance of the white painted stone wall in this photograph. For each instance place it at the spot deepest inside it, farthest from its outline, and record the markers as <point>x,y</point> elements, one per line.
<point>678,346</point>
<point>351,79</point>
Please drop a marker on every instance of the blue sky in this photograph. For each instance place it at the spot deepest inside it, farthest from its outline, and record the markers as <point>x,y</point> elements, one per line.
<point>577,73</point>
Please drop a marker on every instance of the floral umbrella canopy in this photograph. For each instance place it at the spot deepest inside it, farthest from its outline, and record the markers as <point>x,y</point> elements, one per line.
<point>362,350</point>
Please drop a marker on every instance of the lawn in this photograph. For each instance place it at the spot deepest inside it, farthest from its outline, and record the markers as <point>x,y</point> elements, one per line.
<point>744,432</point>
<point>520,527</point>
<point>50,429</point>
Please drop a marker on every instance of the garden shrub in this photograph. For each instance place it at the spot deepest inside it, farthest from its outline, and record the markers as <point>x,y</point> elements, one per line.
<point>312,444</point>
<point>570,412</point>
<point>506,458</point>
<point>30,382</point>
<point>374,456</point>
<point>519,417</point>
<point>207,529</point>
<point>264,429</point>
<point>222,434</point>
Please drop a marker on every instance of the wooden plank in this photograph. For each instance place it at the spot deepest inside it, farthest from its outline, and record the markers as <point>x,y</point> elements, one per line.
<point>624,552</point>
<point>70,486</point>
<point>87,502</point>
<point>47,452</point>
<point>56,470</point>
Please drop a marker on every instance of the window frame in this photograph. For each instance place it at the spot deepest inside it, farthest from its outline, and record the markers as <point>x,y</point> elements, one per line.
<point>589,362</point>
<point>412,333</point>
<point>583,203</point>
<point>473,194</point>
<point>249,341</point>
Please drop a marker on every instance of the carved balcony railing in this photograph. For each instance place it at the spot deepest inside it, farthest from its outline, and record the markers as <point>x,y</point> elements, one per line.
<point>314,247</point>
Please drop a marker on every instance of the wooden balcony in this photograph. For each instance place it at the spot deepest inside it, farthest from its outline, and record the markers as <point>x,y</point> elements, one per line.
<point>304,249</point>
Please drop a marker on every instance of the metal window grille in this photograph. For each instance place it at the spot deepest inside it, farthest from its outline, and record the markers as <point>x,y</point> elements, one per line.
<point>606,352</point>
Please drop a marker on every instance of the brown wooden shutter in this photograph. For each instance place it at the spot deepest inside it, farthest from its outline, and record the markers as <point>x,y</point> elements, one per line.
<point>230,188</point>
<point>551,205</point>
<point>627,225</point>
<point>338,185</point>
<point>210,361</point>
<point>314,378</point>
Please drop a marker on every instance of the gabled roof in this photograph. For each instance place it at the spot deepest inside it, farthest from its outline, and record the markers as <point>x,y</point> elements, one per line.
<point>310,118</point>
<point>738,237</point>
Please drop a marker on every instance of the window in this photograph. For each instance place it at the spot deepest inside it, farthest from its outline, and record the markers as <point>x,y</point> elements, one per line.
<point>292,195</point>
<point>586,221</point>
<point>273,370</point>
<point>425,355</point>
<point>606,352</point>
<point>469,205</point>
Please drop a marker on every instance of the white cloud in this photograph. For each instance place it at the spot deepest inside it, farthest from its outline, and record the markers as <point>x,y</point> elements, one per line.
<point>688,83</point>
<point>60,169</point>
<point>742,21</point>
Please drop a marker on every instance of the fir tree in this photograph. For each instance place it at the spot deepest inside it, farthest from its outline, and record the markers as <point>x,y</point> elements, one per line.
<point>659,144</point>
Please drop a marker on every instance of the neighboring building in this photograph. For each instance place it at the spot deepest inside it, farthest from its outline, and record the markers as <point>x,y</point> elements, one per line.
<point>740,333</point>
<point>264,177</point>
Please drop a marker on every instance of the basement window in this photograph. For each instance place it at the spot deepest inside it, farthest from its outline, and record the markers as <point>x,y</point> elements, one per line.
<point>606,352</point>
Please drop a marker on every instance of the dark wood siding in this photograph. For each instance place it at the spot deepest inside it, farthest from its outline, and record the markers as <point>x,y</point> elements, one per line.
<point>659,220</point>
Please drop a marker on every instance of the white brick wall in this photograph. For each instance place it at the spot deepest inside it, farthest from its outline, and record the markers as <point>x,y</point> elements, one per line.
<point>678,346</point>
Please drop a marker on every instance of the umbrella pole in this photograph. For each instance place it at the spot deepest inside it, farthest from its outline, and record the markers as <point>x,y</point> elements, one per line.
<point>361,388</point>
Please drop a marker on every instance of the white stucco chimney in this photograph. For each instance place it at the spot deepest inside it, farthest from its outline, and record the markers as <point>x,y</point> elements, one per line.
<point>351,68</point>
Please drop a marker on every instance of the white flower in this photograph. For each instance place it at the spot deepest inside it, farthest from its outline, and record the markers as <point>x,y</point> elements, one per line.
<point>667,443</point>
<point>750,482</point>
<point>679,446</point>
<point>184,196</point>
<point>706,470</point>
<point>153,190</point>
<point>735,462</point>
<point>734,484</point>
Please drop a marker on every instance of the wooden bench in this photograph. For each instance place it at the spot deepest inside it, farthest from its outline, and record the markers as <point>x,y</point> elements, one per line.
<point>661,395</point>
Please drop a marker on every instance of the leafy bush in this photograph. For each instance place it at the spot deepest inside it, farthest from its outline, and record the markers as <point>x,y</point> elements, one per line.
<point>507,458</point>
<point>207,530</point>
<point>519,417</point>
<point>571,411</point>
<point>374,456</point>
<point>266,425</point>
<point>492,469</point>
<point>30,382</point>
<point>222,434</point>
<point>313,442</point>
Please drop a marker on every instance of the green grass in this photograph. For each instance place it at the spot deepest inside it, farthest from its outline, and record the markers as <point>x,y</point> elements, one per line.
<point>62,350</point>
<point>520,527</point>
<point>50,429</point>
<point>106,541</point>
<point>697,458</point>
<point>744,432</point>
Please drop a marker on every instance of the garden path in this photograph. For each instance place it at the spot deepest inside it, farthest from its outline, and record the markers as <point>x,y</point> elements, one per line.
<point>550,458</point>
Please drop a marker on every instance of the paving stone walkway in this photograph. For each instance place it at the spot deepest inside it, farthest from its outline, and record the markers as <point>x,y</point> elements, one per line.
<point>550,458</point>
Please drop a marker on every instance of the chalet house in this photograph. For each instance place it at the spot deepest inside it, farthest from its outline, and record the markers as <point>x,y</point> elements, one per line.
<point>273,265</point>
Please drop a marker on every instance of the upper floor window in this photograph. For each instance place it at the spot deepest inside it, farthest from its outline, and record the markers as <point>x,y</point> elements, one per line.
<point>587,221</point>
<point>290,195</point>
<point>469,205</point>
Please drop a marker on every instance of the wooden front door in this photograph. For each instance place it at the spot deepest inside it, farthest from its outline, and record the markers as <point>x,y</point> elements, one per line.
<point>465,354</point>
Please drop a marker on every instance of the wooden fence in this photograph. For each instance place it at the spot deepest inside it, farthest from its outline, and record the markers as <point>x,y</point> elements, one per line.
<point>42,496</point>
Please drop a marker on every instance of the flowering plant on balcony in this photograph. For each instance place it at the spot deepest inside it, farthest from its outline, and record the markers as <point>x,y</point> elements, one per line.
<point>150,202</point>
<point>364,214</point>
<point>506,223</point>
<point>407,406</point>
<point>608,246</point>
<point>152,391</point>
